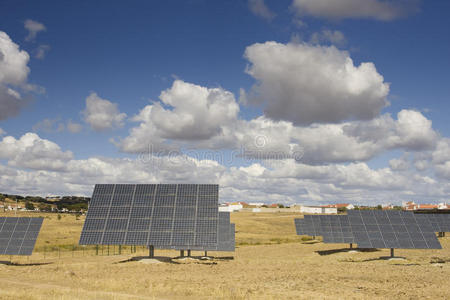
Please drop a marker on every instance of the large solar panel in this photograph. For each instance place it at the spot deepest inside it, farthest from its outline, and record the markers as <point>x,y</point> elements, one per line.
<point>335,229</point>
<point>18,235</point>
<point>392,229</point>
<point>161,215</point>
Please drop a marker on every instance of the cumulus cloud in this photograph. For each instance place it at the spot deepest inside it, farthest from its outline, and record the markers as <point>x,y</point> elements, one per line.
<point>30,151</point>
<point>50,170</point>
<point>41,51</point>
<point>13,75</point>
<point>2,132</point>
<point>102,114</point>
<point>260,9</point>
<point>33,28</point>
<point>194,113</point>
<point>334,37</point>
<point>308,84</point>
<point>355,9</point>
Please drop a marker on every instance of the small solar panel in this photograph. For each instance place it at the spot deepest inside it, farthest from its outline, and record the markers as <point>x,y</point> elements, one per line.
<point>18,235</point>
<point>392,229</point>
<point>162,215</point>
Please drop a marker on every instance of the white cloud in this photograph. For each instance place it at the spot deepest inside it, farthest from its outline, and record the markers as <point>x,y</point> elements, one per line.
<point>41,51</point>
<point>33,28</point>
<point>195,113</point>
<point>73,127</point>
<point>305,84</point>
<point>355,9</point>
<point>30,151</point>
<point>285,181</point>
<point>2,132</point>
<point>13,74</point>
<point>260,9</point>
<point>101,114</point>
<point>335,37</point>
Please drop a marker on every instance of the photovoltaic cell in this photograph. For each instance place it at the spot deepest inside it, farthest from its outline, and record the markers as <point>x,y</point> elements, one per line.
<point>392,229</point>
<point>162,215</point>
<point>18,235</point>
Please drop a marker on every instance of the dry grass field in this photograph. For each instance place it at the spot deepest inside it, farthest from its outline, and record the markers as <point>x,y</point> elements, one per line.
<point>270,262</point>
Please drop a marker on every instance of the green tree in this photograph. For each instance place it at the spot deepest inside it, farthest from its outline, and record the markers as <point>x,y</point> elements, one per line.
<point>29,205</point>
<point>379,206</point>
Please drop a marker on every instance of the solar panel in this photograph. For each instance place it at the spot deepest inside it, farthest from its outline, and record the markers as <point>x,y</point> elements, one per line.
<point>311,225</point>
<point>300,226</point>
<point>161,215</point>
<point>335,229</point>
<point>226,237</point>
<point>18,235</point>
<point>439,222</point>
<point>392,229</point>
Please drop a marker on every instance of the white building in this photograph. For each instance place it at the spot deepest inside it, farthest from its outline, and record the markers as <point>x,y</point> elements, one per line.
<point>257,204</point>
<point>230,207</point>
<point>318,210</point>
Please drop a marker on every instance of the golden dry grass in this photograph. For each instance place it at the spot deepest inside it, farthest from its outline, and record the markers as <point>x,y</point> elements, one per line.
<point>271,262</point>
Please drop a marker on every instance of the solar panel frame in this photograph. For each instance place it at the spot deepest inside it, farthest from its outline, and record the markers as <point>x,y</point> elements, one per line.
<point>18,235</point>
<point>161,215</point>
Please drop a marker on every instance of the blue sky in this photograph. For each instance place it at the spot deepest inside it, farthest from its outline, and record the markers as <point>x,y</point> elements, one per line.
<point>129,53</point>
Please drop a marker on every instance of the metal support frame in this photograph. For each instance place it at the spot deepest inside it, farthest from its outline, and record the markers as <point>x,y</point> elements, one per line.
<point>351,245</point>
<point>181,253</point>
<point>392,252</point>
<point>206,253</point>
<point>151,251</point>
<point>189,253</point>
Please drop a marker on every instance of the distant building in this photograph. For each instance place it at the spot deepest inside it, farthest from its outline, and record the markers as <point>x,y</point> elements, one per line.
<point>318,210</point>
<point>410,205</point>
<point>340,206</point>
<point>230,207</point>
<point>257,204</point>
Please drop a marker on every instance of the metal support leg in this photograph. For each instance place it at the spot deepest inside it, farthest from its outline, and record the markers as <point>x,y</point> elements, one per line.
<point>351,246</point>
<point>151,251</point>
<point>120,249</point>
<point>189,253</point>
<point>392,252</point>
<point>206,253</point>
<point>182,253</point>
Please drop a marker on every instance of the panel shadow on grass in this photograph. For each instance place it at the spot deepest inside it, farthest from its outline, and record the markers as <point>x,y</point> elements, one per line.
<point>334,251</point>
